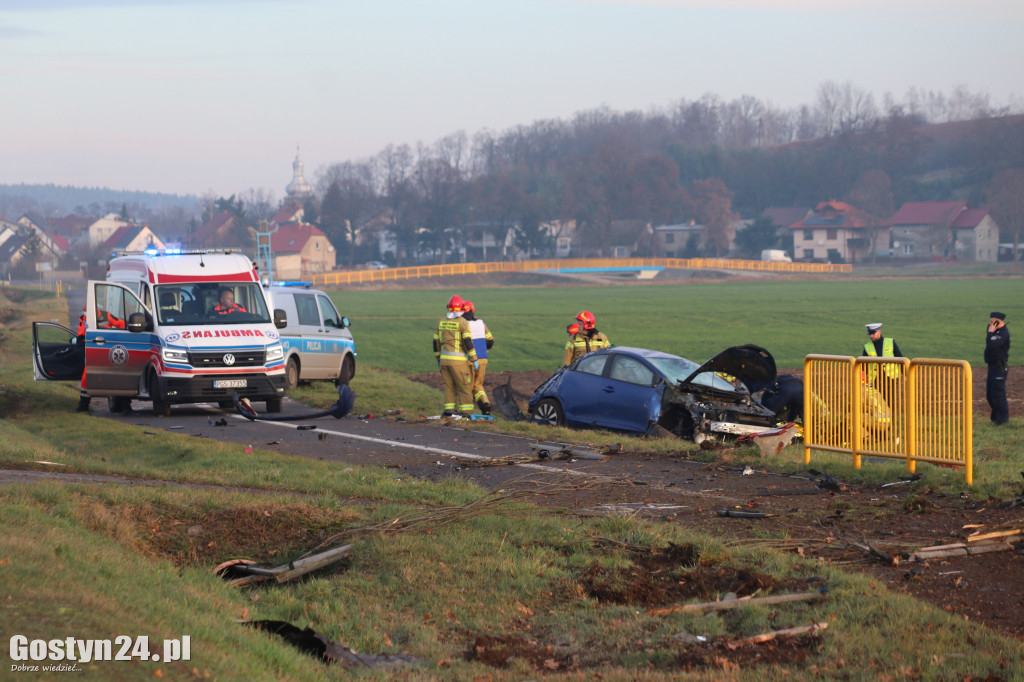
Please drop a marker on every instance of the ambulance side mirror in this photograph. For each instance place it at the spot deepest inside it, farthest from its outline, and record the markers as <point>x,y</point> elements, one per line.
<point>139,322</point>
<point>280,318</point>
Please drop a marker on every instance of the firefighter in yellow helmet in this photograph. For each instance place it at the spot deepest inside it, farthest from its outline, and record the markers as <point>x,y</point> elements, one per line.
<point>456,358</point>
<point>584,339</point>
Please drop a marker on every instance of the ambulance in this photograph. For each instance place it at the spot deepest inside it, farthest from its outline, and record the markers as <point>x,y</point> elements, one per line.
<point>171,327</point>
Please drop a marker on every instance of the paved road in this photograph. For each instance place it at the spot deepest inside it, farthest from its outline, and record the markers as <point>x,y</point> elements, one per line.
<point>435,451</point>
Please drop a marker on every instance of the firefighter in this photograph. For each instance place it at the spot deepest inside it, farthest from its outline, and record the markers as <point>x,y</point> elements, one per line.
<point>881,347</point>
<point>482,342</point>
<point>226,305</point>
<point>997,355</point>
<point>456,358</point>
<point>585,339</point>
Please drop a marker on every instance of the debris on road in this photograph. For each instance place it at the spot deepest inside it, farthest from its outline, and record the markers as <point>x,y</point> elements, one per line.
<point>740,514</point>
<point>505,403</point>
<point>346,401</point>
<point>904,480</point>
<point>772,441</point>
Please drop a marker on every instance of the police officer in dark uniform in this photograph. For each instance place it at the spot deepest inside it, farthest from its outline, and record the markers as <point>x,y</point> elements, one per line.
<point>997,355</point>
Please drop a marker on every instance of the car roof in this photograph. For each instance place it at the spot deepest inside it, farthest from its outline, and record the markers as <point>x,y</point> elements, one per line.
<point>641,352</point>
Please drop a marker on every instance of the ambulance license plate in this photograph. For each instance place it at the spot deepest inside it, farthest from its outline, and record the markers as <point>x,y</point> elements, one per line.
<point>229,383</point>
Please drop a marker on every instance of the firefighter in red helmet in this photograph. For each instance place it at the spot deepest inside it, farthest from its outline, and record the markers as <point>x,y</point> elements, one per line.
<point>585,339</point>
<point>483,340</point>
<point>456,358</point>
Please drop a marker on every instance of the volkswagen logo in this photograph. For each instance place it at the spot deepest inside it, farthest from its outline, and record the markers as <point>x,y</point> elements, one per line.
<point>229,359</point>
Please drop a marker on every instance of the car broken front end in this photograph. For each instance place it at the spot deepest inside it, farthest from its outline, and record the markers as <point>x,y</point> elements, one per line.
<point>698,414</point>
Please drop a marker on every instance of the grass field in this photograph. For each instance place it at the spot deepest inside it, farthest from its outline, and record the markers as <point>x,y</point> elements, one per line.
<point>928,317</point>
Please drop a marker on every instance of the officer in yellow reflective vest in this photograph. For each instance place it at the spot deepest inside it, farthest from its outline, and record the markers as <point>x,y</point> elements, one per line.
<point>456,358</point>
<point>881,347</point>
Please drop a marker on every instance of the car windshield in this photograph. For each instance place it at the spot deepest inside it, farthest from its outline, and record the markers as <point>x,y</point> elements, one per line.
<point>207,303</point>
<point>677,369</point>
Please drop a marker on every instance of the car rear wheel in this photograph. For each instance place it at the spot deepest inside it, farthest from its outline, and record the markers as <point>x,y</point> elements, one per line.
<point>549,412</point>
<point>348,370</point>
<point>161,408</point>
<point>291,374</point>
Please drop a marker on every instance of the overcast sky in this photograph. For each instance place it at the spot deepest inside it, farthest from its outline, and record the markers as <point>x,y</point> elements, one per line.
<point>216,95</point>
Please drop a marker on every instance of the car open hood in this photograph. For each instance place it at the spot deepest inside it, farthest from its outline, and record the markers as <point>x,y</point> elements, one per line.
<point>752,365</point>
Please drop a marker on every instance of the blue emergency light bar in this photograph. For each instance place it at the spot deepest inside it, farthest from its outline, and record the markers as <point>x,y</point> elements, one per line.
<point>304,285</point>
<point>174,251</point>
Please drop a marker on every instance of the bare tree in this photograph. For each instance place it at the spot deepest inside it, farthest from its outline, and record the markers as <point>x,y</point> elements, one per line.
<point>1005,195</point>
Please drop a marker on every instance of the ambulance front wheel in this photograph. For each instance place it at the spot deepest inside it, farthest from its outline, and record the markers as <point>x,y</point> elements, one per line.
<point>274,404</point>
<point>161,408</point>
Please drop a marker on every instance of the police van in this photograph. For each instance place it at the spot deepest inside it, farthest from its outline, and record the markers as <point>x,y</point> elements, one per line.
<point>171,327</point>
<point>317,342</point>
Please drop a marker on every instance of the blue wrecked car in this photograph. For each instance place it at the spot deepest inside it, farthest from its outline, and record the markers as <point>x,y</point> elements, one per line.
<point>654,393</point>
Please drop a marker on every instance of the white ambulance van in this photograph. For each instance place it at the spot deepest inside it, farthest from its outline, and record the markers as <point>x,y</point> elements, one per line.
<point>160,328</point>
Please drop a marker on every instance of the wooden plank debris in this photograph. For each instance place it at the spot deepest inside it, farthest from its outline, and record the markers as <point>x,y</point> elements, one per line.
<point>736,603</point>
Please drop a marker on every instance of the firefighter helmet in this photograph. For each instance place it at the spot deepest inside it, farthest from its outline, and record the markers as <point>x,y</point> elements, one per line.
<point>455,304</point>
<point>573,329</point>
<point>467,307</point>
<point>587,320</point>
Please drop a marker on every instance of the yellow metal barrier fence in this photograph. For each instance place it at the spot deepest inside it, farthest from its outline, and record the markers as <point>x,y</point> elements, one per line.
<point>918,410</point>
<point>562,264</point>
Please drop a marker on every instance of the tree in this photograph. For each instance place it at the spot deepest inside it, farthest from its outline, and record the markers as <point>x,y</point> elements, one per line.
<point>354,202</point>
<point>1006,202</point>
<point>872,193</point>
<point>399,199</point>
<point>713,208</point>
<point>760,235</point>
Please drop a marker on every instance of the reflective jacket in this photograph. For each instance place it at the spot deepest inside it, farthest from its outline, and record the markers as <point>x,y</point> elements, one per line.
<point>453,342</point>
<point>888,351</point>
<point>582,343</point>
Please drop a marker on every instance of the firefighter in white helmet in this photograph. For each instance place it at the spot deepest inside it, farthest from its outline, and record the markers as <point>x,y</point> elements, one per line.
<point>456,358</point>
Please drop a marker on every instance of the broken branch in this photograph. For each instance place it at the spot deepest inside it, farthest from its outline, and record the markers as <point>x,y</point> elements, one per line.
<point>736,603</point>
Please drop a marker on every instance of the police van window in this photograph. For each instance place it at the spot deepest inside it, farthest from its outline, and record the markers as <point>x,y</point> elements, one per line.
<point>305,304</point>
<point>330,315</point>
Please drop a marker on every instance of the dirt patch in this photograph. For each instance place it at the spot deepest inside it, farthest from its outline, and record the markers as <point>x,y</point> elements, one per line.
<point>263,533</point>
<point>498,652</point>
<point>719,656</point>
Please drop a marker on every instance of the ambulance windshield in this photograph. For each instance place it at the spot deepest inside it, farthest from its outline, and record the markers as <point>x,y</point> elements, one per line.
<point>203,303</point>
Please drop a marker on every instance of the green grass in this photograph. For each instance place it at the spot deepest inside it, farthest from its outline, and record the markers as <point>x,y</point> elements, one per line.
<point>928,317</point>
<point>95,561</point>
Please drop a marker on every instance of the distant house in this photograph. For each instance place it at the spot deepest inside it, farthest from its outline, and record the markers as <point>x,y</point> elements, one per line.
<point>299,250</point>
<point>932,230</point>
<point>484,242</point>
<point>133,238</point>
<point>102,229</point>
<point>783,216</point>
<point>838,232</point>
<point>976,236</point>
<point>680,240</point>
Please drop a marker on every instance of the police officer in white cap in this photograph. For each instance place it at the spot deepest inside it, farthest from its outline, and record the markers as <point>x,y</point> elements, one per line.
<point>881,347</point>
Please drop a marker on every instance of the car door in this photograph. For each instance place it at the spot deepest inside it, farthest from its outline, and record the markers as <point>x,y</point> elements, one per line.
<point>579,390</point>
<point>335,336</point>
<point>57,353</point>
<point>311,336</point>
<point>115,358</point>
<point>631,397</point>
